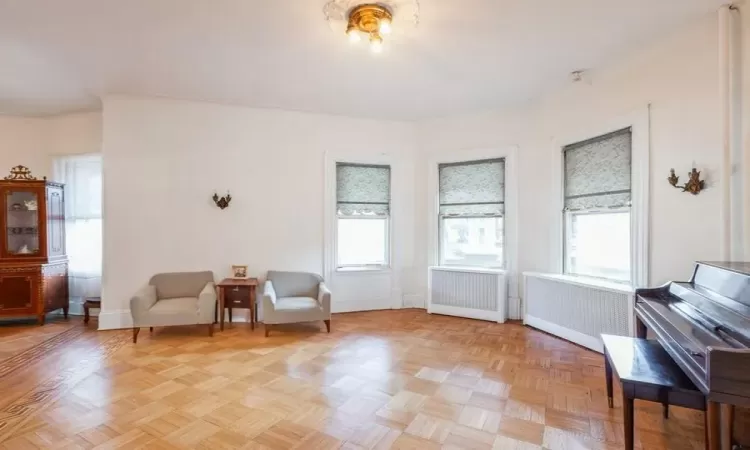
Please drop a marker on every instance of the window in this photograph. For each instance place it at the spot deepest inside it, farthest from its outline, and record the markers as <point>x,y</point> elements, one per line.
<point>363,194</point>
<point>597,207</point>
<point>82,176</point>
<point>472,206</point>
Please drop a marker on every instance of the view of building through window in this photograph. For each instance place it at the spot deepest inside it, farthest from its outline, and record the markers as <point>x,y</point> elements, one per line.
<point>472,241</point>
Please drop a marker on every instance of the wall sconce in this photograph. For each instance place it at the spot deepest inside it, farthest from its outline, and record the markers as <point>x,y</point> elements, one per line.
<point>222,202</point>
<point>694,185</point>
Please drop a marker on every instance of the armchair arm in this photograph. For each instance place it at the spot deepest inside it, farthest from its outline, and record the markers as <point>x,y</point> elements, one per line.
<point>324,297</point>
<point>269,300</point>
<point>207,304</point>
<point>141,303</point>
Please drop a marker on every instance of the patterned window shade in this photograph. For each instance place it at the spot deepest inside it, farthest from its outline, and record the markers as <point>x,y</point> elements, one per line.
<point>474,188</point>
<point>363,189</point>
<point>597,172</point>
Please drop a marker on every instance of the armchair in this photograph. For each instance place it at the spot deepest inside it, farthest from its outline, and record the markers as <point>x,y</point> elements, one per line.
<point>292,297</point>
<point>170,299</point>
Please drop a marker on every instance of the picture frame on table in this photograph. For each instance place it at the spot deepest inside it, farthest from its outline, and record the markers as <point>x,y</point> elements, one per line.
<point>239,272</point>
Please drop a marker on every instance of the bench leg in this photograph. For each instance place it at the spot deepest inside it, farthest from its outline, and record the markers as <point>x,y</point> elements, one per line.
<point>628,414</point>
<point>608,374</point>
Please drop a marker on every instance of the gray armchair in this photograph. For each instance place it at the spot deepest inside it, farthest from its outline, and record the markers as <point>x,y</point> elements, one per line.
<point>292,297</point>
<point>183,298</point>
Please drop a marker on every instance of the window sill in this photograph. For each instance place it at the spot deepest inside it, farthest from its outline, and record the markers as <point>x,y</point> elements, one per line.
<point>624,288</point>
<point>492,270</point>
<point>363,270</point>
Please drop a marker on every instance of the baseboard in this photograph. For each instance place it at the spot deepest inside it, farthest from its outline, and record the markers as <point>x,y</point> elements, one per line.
<point>492,316</point>
<point>369,305</point>
<point>414,301</point>
<point>515,310</point>
<point>115,320</point>
<point>576,337</point>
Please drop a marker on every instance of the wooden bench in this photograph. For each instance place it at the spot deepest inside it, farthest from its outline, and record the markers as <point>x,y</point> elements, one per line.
<point>646,372</point>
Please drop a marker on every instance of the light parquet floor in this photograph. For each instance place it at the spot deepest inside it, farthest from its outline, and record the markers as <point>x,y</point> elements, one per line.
<point>391,379</point>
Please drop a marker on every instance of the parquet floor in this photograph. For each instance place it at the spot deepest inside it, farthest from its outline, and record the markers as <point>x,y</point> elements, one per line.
<point>391,379</point>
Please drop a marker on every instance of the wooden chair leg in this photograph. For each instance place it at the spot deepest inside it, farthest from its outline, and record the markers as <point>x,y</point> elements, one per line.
<point>151,329</point>
<point>135,334</point>
<point>266,326</point>
<point>210,330</point>
<point>328,325</point>
<point>85,313</point>
<point>666,410</point>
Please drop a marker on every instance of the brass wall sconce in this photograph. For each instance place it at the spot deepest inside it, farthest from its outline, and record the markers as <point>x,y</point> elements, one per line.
<point>222,202</point>
<point>694,185</point>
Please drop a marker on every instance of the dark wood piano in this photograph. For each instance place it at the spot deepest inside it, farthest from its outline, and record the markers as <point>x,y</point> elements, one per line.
<point>704,324</point>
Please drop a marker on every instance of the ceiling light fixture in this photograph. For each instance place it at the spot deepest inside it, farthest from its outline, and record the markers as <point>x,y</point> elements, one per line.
<point>372,20</point>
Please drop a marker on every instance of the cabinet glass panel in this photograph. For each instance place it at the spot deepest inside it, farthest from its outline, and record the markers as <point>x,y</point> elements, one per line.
<point>22,224</point>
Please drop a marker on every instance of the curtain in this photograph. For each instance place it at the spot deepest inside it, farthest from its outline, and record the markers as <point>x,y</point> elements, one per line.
<point>82,176</point>
<point>473,188</point>
<point>597,172</point>
<point>363,189</point>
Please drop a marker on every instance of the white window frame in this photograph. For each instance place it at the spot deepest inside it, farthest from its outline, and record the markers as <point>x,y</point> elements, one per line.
<point>510,244</point>
<point>639,123</point>
<point>354,267</point>
<point>567,217</point>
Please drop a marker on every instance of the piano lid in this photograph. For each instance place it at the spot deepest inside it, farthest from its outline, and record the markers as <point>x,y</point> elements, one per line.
<point>742,267</point>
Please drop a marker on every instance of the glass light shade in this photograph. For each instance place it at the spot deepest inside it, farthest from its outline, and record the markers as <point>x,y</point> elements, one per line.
<point>353,34</point>
<point>385,26</point>
<point>376,44</point>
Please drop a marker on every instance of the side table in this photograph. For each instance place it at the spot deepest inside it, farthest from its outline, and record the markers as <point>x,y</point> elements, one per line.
<point>237,293</point>
<point>90,302</point>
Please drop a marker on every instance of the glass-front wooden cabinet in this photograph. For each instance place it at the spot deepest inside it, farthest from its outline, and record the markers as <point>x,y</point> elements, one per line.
<point>33,262</point>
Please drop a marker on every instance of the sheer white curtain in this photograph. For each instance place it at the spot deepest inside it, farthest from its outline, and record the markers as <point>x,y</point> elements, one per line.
<point>82,175</point>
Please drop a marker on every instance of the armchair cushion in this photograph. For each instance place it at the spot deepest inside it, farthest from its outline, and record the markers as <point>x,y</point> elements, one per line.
<point>294,284</point>
<point>180,284</point>
<point>297,304</point>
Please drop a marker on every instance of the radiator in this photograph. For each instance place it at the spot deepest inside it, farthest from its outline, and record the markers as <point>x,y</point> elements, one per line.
<point>578,311</point>
<point>473,293</point>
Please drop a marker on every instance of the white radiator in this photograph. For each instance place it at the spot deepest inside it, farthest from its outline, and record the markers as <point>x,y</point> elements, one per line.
<point>473,293</point>
<point>576,310</point>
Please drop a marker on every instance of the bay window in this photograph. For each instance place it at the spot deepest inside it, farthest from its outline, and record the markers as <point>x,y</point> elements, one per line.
<point>597,212</point>
<point>363,194</point>
<point>471,214</point>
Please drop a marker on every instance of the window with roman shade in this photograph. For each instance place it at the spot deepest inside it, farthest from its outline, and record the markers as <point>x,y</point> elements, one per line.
<point>472,206</point>
<point>598,172</point>
<point>363,189</point>
<point>597,199</point>
<point>363,209</point>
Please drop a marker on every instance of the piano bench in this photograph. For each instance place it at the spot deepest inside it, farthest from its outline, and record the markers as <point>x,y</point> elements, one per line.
<point>646,372</point>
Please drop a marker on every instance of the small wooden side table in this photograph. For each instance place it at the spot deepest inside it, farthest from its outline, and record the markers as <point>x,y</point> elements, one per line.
<point>234,285</point>
<point>90,302</point>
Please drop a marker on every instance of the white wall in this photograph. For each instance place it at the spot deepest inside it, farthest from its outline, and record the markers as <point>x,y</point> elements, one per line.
<point>163,160</point>
<point>678,76</point>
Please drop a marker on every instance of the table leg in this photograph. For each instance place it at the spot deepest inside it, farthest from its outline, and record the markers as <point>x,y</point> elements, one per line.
<point>713,419</point>
<point>230,312</point>
<point>252,307</point>
<point>727,426</point>
<point>628,414</point>
<point>221,309</point>
<point>85,313</point>
<point>608,375</point>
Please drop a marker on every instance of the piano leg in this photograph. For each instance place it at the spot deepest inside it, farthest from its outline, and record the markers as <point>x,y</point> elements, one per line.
<point>608,377</point>
<point>713,420</point>
<point>727,426</point>
<point>640,328</point>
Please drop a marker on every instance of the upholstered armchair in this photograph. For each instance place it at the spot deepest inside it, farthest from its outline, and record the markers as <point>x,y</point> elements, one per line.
<point>292,297</point>
<point>183,298</point>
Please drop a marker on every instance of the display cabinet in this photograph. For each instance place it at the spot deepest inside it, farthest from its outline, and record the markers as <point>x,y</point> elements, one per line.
<point>33,262</point>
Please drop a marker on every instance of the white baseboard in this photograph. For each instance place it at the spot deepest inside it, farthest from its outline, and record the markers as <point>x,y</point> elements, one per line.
<point>367,305</point>
<point>115,320</point>
<point>576,337</point>
<point>414,301</point>
<point>515,310</point>
<point>492,316</point>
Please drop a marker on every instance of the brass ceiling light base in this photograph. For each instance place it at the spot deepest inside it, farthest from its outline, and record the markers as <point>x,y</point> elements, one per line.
<point>370,19</point>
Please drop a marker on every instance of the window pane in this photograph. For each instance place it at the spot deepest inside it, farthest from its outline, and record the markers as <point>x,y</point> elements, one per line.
<point>362,242</point>
<point>598,245</point>
<point>472,241</point>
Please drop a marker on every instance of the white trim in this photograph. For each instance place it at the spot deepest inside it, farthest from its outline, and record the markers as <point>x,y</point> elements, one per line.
<point>576,337</point>
<point>115,320</point>
<point>493,316</point>
<point>469,269</point>
<point>640,123</point>
<point>414,301</point>
<point>509,153</point>
<point>594,283</point>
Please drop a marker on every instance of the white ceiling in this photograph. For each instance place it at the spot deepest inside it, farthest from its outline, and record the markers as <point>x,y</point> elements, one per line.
<point>61,55</point>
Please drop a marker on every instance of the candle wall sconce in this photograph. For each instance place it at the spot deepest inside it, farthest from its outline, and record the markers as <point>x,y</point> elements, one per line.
<point>222,202</point>
<point>694,185</point>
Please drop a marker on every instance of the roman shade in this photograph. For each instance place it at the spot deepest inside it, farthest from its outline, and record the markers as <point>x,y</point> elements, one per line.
<point>598,172</point>
<point>363,189</point>
<point>472,188</point>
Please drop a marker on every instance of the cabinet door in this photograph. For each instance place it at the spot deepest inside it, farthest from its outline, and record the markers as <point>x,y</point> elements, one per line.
<point>17,291</point>
<point>23,225</point>
<point>55,222</point>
